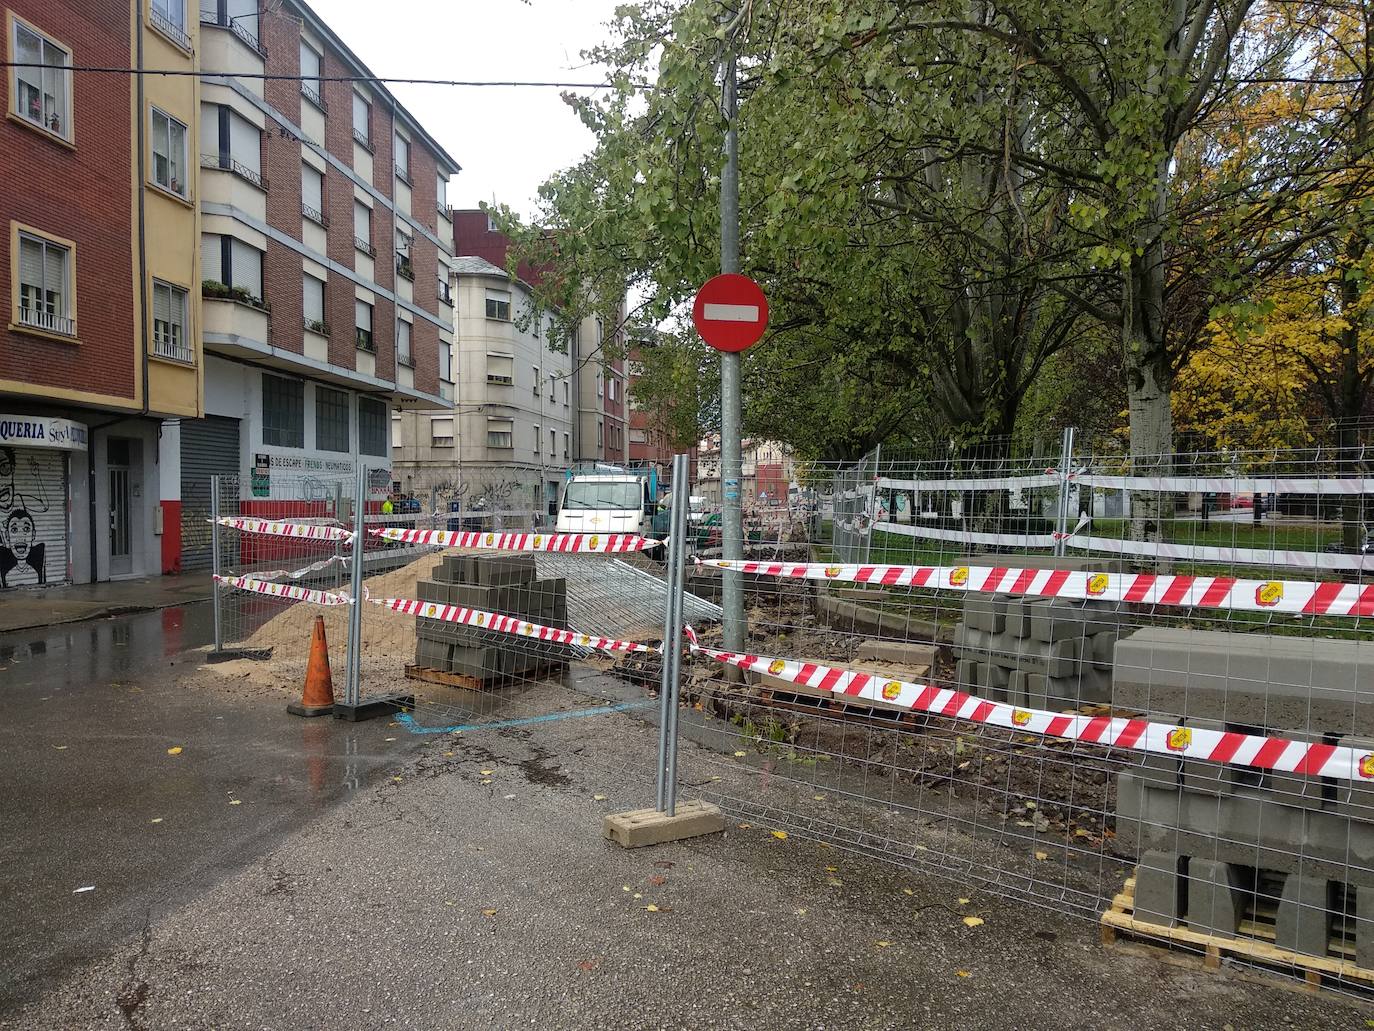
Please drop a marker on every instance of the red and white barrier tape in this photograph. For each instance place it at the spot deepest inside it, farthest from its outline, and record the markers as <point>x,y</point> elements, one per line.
<point>280,590</point>
<point>1203,592</point>
<point>525,540</point>
<point>1182,742</point>
<point>296,574</point>
<point>284,528</point>
<point>1324,486</point>
<point>507,625</point>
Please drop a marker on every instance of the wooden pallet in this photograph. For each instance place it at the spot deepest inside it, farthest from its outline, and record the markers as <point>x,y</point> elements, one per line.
<point>444,678</point>
<point>1254,943</point>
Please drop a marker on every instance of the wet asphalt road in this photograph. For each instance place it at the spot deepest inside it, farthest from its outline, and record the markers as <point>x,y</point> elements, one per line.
<point>92,799</point>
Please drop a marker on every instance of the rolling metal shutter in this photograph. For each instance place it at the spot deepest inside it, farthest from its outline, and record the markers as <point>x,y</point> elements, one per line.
<point>209,447</point>
<point>33,517</point>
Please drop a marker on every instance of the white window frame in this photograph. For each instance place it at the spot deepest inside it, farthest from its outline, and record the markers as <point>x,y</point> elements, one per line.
<point>538,437</point>
<point>537,378</point>
<point>496,297</point>
<point>366,241</point>
<point>310,211</point>
<point>362,134</point>
<point>441,440</point>
<point>45,78</point>
<point>506,430</point>
<point>567,443</point>
<point>400,142</point>
<point>405,352</point>
<point>445,362</point>
<point>553,442</point>
<point>501,379</point>
<point>173,341</point>
<point>322,322</point>
<point>362,308</point>
<point>44,316</point>
<point>182,188</point>
<point>441,193</point>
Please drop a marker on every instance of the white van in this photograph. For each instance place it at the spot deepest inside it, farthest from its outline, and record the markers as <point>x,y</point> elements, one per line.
<point>606,503</point>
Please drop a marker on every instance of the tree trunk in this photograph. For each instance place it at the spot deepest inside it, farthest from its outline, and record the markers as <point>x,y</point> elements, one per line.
<point>1149,387</point>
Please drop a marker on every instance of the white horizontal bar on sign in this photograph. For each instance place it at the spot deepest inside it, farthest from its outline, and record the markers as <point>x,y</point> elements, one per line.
<point>935,533</point>
<point>1232,484</point>
<point>973,483</point>
<point>1211,553</point>
<point>730,312</point>
<point>1137,735</point>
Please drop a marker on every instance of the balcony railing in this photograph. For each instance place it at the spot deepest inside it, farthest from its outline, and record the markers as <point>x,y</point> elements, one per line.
<point>228,164</point>
<point>406,359</point>
<point>173,32</point>
<point>364,246</point>
<point>235,25</point>
<point>363,337</point>
<point>445,292</point>
<point>316,326</point>
<point>47,321</point>
<point>404,269</point>
<point>314,214</point>
<point>173,348</point>
<point>313,96</point>
<point>361,137</point>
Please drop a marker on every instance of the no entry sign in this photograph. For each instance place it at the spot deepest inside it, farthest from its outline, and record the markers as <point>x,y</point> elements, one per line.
<point>730,312</point>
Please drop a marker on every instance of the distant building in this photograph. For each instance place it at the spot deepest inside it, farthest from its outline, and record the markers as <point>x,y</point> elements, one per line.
<point>767,471</point>
<point>648,443</point>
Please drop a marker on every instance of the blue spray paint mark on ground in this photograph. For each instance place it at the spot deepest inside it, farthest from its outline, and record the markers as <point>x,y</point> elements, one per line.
<point>408,721</point>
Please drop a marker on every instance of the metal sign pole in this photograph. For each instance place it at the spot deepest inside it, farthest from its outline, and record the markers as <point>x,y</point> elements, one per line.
<point>352,690</point>
<point>673,658</point>
<point>1065,467</point>
<point>732,528</point>
<point>214,563</point>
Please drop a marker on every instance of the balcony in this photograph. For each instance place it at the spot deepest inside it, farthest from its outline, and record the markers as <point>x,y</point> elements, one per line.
<point>361,138</point>
<point>47,322</point>
<point>235,322</point>
<point>314,215</point>
<point>173,32</point>
<point>403,267</point>
<point>363,340</point>
<point>225,163</point>
<point>235,25</point>
<point>405,360</point>
<point>172,347</point>
<point>445,292</point>
<point>312,94</point>
<point>360,244</point>
<point>316,326</point>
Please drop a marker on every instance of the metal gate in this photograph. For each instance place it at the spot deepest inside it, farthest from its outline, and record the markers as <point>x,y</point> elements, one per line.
<point>209,447</point>
<point>33,517</point>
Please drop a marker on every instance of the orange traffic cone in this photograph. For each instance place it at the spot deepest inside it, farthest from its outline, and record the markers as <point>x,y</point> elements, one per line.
<point>318,697</point>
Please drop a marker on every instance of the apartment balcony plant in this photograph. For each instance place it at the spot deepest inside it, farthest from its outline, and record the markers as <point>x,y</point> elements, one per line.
<point>317,326</point>
<point>212,289</point>
<point>404,269</point>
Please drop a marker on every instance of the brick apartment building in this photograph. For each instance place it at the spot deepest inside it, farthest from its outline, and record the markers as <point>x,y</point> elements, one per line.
<point>326,238</point>
<point>649,444</point>
<point>101,338</point>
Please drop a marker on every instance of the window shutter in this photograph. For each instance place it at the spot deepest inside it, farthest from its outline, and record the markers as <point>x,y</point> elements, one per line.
<point>55,274</point>
<point>362,221</point>
<point>310,188</point>
<point>209,130</point>
<point>313,299</point>
<point>246,267</point>
<point>363,315</point>
<point>210,258</point>
<point>245,143</point>
<point>162,303</point>
<point>30,261</point>
<point>360,112</point>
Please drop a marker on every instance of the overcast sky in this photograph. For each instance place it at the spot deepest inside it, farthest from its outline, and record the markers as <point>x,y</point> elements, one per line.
<point>508,140</point>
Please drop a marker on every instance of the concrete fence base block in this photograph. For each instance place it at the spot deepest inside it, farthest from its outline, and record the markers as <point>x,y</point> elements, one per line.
<point>651,827</point>
<point>1214,898</point>
<point>1158,888</point>
<point>1304,918</point>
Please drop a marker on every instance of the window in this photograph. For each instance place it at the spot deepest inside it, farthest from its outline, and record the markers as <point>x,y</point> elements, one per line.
<point>362,322</point>
<point>170,338</point>
<point>500,369</point>
<point>371,426</point>
<point>403,355</point>
<point>362,227</point>
<point>553,442</point>
<point>445,292</point>
<point>169,18</point>
<point>312,194</point>
<point>362,120</point>
<point>402,154</point>
<point>498,305</point>
<point>600,434</point>
<point>538,437</point>
<point>441,431</point>
<point>441,194</point>
<point>397,431</point>
<point>331,419</point>
<point>500,433</point>
<point>232,267</point>
<point>445,361</point>
<point>169,153</point>
<point>534,325</point>
<point>42,95</point>
<point>638,436</point>
<point>552,380</point>
<point>231,142</point>
<point>310,75</point>
<point>566,393</point>
<point>492,227</point>
<point>283,411</point>
<point>312,293</point>
<point>536,380</point>
<point>404,269</point>
<point>611,387</point>
<point>600,387</point>
<point>567,446</point>
<point>45,297</point>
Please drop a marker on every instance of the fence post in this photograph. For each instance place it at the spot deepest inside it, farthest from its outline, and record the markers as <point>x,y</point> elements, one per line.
<point>1065,471</point>
<point>214,563</point>
<point>352,689</point>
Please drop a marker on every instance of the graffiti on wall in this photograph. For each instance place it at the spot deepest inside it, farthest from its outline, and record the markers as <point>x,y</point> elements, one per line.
<point>22,554</point>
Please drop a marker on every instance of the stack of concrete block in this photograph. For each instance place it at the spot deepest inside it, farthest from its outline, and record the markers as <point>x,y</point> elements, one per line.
<point>506,585</point>
<point>1036,652</point>
<point>1208,833</point>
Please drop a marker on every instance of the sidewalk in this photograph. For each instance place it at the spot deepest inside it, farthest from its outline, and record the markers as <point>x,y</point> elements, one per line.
<point>27,607</point>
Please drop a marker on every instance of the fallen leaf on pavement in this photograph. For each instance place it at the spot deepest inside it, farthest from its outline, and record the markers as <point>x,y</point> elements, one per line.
<point>802,911</point>
<point>963,973</point>
<point>780,835</point>
<point>396,779</point>
<point>638,895</point>
<point>485,780</point>
<point>174,750</point>
<point>89,887</point>
<point>488,912</point>
<point>744,826</point>
<point>448,755</point>
<point>1042,855</point>
<point>236,801</point>
<point>60,748</point>
<point>963,902</point>
<point>391,739</point>
<point>658,879</point>
<point>588,965</point>
<point>509,797</point>
<point>882,945</point>
<point>664,864</point>
<point>907,891</point>
<point>973,921</point>
<point>831,869</point>
<point>156,819</point>
<point>834,882</point>
<point>819,798</point>
<point>598,798</point>
<point>486,773</point>
<point>740,755</point>
<point>651,908</point>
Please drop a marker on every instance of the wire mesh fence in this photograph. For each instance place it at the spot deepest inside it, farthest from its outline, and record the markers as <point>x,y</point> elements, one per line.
<point>1143,698</point>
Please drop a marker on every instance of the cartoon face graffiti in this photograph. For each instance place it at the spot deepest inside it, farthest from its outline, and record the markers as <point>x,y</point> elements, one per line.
<point>19,546</point>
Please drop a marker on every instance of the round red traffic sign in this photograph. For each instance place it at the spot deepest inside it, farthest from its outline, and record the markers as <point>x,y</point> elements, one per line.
<point>730,312</point>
